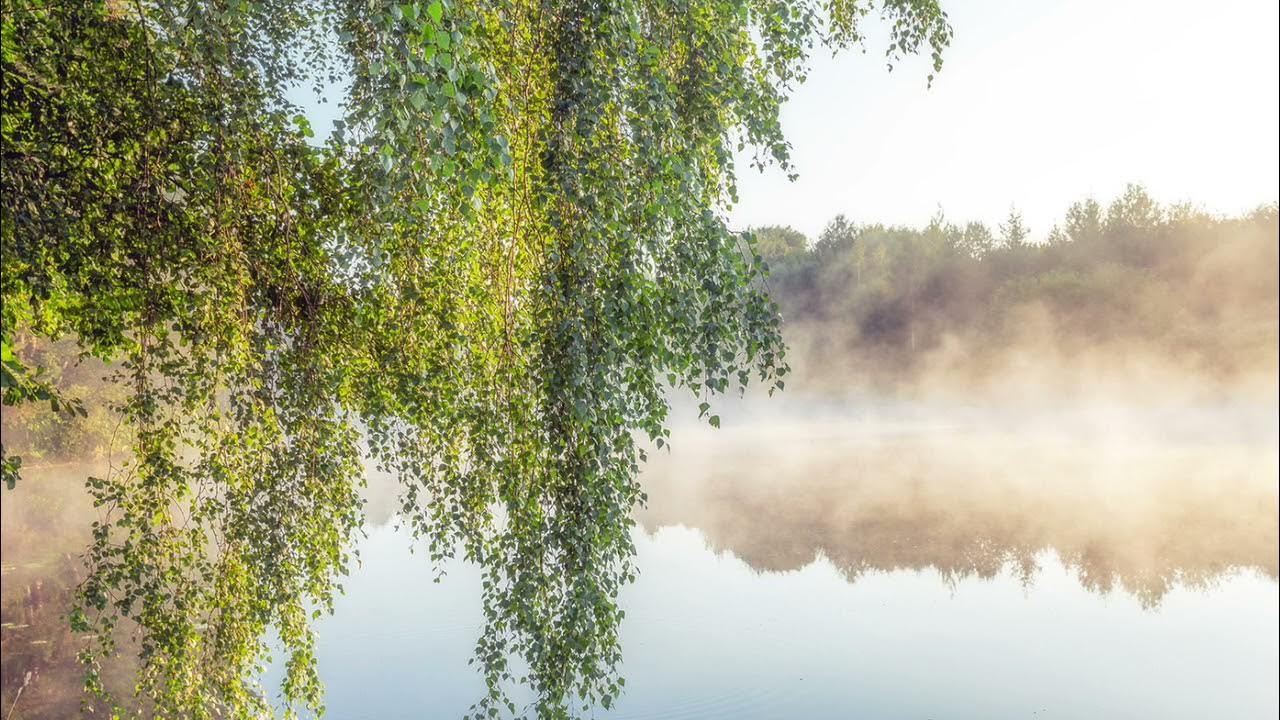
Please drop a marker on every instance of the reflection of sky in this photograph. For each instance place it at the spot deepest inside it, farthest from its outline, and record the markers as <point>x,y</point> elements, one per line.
<point>707,636</point>
<point>865,571</point>
<point>1040,103</point>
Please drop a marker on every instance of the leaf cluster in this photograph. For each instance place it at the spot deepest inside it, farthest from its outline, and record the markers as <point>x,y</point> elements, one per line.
<point>485,282</point>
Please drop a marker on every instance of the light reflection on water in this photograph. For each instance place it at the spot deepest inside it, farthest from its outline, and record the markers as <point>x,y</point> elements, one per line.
<point>819,568</point>
<point>708,636</point>
<point>828,567</point>
<point>1140,514</point>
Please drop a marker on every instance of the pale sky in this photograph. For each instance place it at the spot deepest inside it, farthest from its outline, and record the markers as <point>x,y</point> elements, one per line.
<point>1040,103</point>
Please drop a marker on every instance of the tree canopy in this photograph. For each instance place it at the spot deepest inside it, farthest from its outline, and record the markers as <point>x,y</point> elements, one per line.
<point>484,282</point>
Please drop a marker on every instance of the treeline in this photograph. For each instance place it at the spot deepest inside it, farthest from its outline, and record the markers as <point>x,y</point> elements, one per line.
<point>1133,276</point>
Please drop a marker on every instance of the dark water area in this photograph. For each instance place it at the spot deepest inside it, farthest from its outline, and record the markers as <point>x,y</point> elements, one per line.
<point>889,560</point>
<point>44,526</point>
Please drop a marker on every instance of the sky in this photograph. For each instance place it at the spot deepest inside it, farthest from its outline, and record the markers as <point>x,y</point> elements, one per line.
<point>1040,103</point>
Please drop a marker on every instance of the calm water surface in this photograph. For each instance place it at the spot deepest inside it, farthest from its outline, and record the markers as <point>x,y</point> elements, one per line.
<point>882,564</point>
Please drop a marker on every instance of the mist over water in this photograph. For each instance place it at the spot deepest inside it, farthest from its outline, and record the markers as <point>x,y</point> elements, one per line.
<point>1133,499</point>
<point>827,553</point>
<point>1042,547</point>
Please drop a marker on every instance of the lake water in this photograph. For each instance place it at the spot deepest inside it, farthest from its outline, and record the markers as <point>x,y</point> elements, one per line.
<point>819,562</point>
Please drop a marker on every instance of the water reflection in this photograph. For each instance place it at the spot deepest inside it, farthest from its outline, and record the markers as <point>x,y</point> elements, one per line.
<point>822,565</point>
<point>44,527</point>
<point>1140,515</point>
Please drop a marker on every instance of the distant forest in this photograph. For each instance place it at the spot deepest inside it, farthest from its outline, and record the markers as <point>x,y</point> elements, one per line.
<point>1132,277</point>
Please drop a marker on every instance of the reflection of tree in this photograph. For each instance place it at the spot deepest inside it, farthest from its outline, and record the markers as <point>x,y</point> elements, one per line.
<point>45,528</point>
<point>36,639</point>
<point>1143,521</point>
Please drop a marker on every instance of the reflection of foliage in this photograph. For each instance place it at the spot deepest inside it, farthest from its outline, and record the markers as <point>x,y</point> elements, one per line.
<point>35,639</point>
<point>511,243</point>
<point>45,526</point>
<point>975,506</point>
